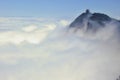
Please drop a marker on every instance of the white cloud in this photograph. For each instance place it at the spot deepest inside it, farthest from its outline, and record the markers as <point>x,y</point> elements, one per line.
<point>29,28</point>
<point>61,56</point>
<point>50,26</point>
<point>2,19</point>
<point>64,22</point>
<point>34,33</point>
<point>11,78</point>
<point>17,37</point>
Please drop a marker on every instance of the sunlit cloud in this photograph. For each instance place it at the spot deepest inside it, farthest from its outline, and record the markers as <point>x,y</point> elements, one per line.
<point>64,22</point>
<point>16,37</point>
<point>32,33</point>
<point>29,28</point>
<point>50,26</point>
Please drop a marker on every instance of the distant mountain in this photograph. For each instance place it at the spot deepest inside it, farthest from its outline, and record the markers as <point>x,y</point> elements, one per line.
<point>92,21</point>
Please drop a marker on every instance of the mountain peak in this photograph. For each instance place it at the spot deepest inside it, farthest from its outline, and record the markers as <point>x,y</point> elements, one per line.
<point>90,21</point>
<point>78,22</point>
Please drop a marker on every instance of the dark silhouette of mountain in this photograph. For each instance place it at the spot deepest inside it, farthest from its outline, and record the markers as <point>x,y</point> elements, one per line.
<point>91,21</point>
<point>118,78</point>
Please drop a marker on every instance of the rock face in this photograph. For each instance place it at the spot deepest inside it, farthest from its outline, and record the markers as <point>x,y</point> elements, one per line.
<point>91,21</point>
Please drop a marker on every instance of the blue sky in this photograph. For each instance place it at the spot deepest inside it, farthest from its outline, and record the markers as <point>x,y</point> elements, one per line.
<point>57,8</point>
